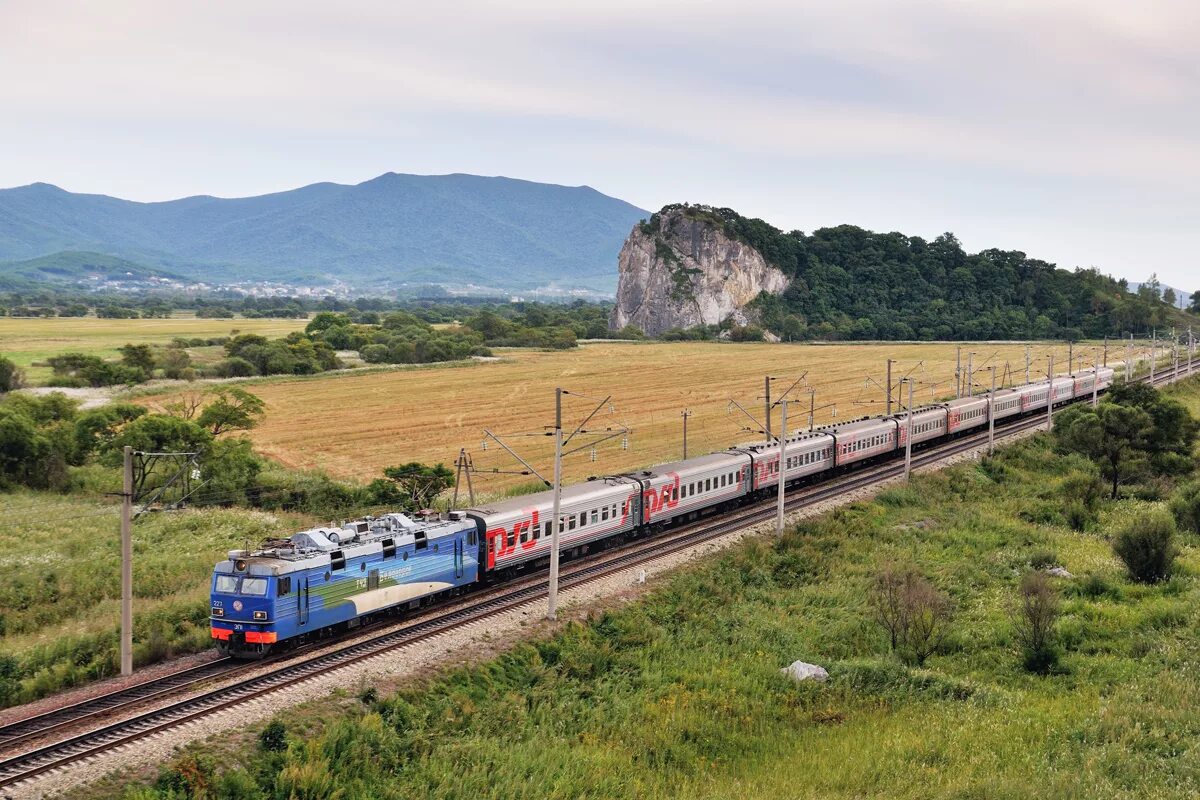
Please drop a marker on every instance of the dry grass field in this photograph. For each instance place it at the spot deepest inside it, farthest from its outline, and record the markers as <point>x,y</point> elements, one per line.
<point>354,425</point>
<point>30,340</point>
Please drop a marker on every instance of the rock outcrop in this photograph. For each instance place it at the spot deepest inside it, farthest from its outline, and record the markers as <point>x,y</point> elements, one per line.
<point>681,270</point>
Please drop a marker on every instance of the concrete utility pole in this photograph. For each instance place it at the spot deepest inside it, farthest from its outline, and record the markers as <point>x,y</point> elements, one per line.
<point>1028,359</point>
<point>1106,351</point>
<point>783,405</point>
<point>1070,358</point>
<point>908,425</point>
<point>1050,395</point>
<point>1129,359</point>
<point>1095,383</point>
<point>685,414</point>
<point>889,387</point>
<point>970,374</point>
<point>767,404</point>
<point>1191,350</point>
<point>556,520</point>
<point>957,372</point>
<point>1153,353</point>
<point>127,565</point>
<point>992,415</point>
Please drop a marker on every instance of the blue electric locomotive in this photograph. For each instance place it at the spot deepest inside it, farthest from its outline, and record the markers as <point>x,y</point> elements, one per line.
<point>327,579</point>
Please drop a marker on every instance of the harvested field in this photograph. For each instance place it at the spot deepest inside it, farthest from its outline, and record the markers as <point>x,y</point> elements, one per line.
<point>354,425</point>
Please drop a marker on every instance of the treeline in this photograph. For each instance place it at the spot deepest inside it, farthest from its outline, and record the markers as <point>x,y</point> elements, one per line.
<point>851,283</point>
<point>246,355</point>
<point>132,305</point>
<point>445,332</point>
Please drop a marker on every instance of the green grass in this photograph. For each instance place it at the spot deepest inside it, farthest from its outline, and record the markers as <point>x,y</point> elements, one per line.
<point>60,604</point>
<point>679,695</point>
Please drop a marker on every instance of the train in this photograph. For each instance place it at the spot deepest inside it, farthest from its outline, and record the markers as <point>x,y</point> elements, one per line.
<point>328,579</point>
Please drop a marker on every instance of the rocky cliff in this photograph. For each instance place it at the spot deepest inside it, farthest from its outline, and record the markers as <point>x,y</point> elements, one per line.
<point>680,270</point>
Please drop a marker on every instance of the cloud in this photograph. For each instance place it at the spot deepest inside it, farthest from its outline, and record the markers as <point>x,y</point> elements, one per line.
<point>1065,93</point>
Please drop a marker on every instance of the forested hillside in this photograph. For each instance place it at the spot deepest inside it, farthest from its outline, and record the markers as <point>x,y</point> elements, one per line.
<point>851,283</point>
<point>440,229</point>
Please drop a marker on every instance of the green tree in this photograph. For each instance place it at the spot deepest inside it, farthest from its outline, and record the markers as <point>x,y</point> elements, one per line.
<point>10,376</point>
<point>1112,435</point>
<point>138,356</point>
<point>419,483</point>
<point>95,429</point>
<point>232,409</point>
<point>157,433</point>
<point>324,321</point>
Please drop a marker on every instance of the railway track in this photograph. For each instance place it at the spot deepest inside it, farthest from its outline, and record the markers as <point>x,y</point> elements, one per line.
<point>298,667</point>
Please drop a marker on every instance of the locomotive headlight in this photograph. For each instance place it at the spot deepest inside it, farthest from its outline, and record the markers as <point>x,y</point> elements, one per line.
<point>260,615</point>
<point>240,565</point>
<point>218,612</point>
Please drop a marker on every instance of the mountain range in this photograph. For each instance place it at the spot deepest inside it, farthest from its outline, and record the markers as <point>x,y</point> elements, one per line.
<point>449,230</point>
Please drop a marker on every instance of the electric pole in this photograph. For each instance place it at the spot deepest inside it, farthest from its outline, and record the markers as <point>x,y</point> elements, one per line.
<point>767,404</point>
<point>970,374</point>
<point>1050,395</point>
<point>908,433</point>
<point>1027,362</point>
<point>992,415</point>
<point>957,372</point>
<point>1070,357</point>
<point>685,414</point>
<point>555,520</point>
<point>783,406</point>
<point>889,387</point>
<point>1153,353</point>
<point>1095,383</point>
<point>127,565</point>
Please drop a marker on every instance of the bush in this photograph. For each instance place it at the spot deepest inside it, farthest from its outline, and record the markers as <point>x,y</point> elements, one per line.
<point>913,613</point>
<point>1043,559</point>
<point>273,738</point>
<point>1146,545</point>
<point>1185,505</point>
<point>233,368</point>
<point>1035,623</point>
<point>10,376</point>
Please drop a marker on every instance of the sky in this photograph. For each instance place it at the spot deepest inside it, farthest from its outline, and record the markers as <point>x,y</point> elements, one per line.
<point>1067,129</point>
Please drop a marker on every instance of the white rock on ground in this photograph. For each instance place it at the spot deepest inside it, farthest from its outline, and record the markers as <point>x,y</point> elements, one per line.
<point>1059,572</point>
<point>802,671</point>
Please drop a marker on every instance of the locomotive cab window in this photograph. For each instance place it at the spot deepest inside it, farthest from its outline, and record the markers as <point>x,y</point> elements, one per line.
<point>255,587</point>
<point>225,584</point>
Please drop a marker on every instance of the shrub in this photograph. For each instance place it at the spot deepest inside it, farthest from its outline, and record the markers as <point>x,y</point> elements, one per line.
<point>233,368</point>
<point>10,376</point>
<point>273,738</point>
<point>1146,545</point>
<point>912,611</point>
<point>1035,622</point>
<point>1043,559</point>
<point>1185,505</point>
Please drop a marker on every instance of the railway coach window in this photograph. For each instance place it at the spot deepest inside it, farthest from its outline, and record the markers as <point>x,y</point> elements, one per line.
<point>595,517</point>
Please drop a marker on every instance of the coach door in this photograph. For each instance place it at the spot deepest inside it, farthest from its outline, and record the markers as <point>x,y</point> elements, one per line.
<point>458,557</point>
<point>302,601</point>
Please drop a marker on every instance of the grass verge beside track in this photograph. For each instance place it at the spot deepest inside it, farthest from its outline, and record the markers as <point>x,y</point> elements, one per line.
<point>679,694</point>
